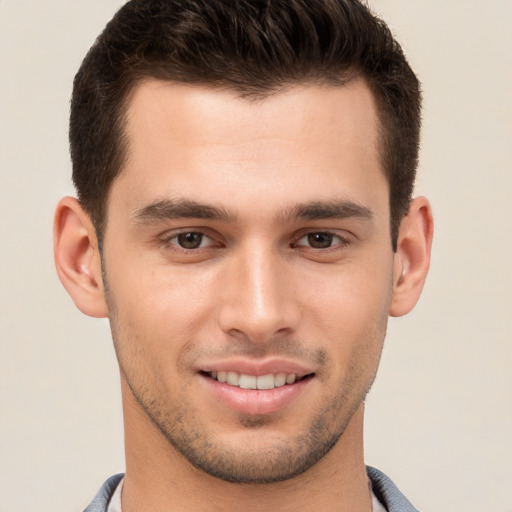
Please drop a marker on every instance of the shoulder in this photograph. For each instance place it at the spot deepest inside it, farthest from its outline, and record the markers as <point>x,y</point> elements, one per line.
<point>101,500</point>
<point>388,493</point>
<point>383,487</point>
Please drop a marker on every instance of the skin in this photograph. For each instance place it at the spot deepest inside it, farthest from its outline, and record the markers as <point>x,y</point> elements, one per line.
<point>288,205</point>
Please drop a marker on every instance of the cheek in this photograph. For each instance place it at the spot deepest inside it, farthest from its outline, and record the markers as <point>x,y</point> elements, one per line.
<point>350,314</point>
<point>157,295</point>
<point>352,296</point>
<point>155,312</point>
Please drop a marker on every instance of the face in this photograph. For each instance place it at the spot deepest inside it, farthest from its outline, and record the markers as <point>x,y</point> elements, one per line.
<point>248,269</point>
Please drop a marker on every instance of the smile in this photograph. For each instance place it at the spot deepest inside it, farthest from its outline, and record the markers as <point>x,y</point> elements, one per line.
<point>257,388</point>
<point>244,381</point>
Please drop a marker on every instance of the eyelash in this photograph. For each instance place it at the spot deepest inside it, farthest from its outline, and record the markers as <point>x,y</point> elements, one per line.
<point>172,242</point>
<point>341,241</point>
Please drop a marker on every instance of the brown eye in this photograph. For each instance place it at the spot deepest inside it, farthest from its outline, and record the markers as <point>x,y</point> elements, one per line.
<point>320,240</point>
<point>190,240</point>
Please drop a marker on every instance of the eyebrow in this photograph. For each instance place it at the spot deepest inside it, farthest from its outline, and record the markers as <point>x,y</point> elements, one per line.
<point>168,209</point>
<point>336,209</point>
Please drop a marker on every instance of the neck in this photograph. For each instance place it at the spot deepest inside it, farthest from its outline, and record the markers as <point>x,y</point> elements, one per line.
<point>160,479</point>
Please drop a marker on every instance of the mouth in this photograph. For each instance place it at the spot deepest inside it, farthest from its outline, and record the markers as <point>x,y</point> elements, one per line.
<point>257,387</point>
<point>259,382</point>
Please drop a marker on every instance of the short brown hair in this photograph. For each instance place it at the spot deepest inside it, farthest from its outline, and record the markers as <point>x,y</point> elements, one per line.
<point>252,47</point>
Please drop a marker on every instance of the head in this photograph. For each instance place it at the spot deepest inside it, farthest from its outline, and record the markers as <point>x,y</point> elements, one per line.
<point>244,173</point>
<point>254,49</point>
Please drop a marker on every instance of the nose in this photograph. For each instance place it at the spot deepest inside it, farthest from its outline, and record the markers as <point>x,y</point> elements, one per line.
<point>257,297</point>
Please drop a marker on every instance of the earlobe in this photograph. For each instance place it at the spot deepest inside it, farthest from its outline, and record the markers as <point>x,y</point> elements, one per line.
<point>77,258</point>
<point>412,258</point>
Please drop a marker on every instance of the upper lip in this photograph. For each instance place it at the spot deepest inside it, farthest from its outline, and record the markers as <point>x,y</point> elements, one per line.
<point>257,367</point>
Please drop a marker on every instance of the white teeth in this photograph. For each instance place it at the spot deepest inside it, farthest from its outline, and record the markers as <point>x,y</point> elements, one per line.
<point>280,380</point>
<point>245,381</point>
<point>233,378</point>
<point>265,382</point>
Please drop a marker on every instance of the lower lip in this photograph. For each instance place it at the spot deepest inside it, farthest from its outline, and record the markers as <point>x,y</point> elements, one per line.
<point>256,401</point>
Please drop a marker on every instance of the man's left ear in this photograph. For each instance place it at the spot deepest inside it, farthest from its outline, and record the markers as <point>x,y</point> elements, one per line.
<point>412,258</point>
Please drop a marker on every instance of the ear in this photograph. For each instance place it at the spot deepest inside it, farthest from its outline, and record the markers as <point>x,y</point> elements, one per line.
<point>77,257</point>
<point>412,258</point>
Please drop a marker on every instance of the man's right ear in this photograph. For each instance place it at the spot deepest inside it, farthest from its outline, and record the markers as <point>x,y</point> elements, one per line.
<point>77,257</point>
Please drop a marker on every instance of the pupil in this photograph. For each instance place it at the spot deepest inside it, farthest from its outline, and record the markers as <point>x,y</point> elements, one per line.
<point>320,240</point>
<point>190,240</point>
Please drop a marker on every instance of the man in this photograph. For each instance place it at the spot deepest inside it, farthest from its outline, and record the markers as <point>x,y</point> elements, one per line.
<point>244,218</point>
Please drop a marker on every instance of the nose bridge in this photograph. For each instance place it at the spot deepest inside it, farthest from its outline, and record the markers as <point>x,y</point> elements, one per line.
<point>258,299</point>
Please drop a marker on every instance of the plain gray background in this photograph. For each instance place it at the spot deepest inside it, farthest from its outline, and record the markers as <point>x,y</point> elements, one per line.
<point>439,419</point>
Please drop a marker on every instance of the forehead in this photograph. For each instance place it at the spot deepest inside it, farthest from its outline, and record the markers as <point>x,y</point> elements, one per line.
<point>200,143</point>
<point>311,111</point>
